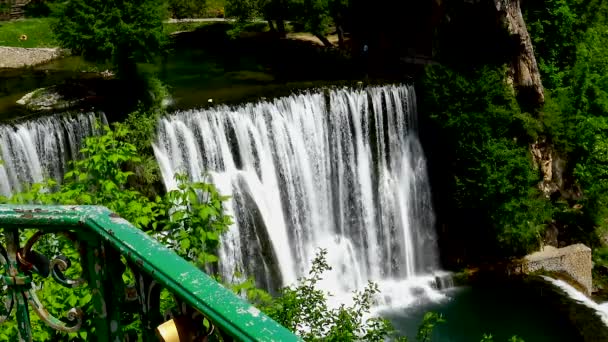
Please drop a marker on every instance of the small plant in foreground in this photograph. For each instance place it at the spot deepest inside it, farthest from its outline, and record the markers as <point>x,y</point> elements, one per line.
<point>304,310</point>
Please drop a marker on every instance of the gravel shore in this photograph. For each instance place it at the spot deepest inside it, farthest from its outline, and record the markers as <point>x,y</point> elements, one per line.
<point>14,57</point>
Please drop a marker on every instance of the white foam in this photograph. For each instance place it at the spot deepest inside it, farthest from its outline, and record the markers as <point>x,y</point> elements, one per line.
<point>600,309</point>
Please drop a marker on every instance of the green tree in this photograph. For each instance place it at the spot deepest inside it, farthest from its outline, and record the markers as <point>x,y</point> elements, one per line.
<point>275,12</point>
<point>318,17</point>
<point>553,27</point>
<point>243,10</point>
<point>557,27</point>
<point>122,33</point>
<point>196,221</point>
<point>583,119</point>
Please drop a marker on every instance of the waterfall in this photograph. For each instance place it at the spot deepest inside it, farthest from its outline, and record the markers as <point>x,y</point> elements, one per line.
<point>340,169</point>
<point>601,310</point>
<point>33,151</point>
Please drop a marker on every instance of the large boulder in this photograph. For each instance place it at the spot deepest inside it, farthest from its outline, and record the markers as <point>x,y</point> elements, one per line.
<point>50,99</point>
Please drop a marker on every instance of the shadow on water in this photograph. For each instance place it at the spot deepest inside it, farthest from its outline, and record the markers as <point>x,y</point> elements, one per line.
<point>72,74</point>
<point>208,63</point>
<point>530,308</point>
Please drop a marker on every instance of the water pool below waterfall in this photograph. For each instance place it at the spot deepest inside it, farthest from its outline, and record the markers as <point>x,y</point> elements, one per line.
<point>533,309</point>
<point>471,312</point>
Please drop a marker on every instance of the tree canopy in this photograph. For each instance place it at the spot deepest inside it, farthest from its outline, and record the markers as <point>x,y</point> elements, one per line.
<point>120,32</point>
<point>316,16</point>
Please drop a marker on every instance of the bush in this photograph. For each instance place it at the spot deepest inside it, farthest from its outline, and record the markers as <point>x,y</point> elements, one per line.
<point>303,309</point>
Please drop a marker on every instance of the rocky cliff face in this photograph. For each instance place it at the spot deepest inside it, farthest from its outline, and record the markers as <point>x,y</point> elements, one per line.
<point>524,75</point>
<point>475,31</point>
<point>542,154</point>
<point>524,71</point>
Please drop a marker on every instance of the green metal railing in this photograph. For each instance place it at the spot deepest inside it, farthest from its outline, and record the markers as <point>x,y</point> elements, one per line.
<point>102,238</point>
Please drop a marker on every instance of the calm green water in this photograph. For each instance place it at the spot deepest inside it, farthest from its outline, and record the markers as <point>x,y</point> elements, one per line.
<point>15,83</point>
<point>200,66</point>
<point>190,83</point>
<point>502,311</point>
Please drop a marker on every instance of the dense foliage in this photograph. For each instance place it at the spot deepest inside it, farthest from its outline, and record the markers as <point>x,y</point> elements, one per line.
<point>122,33</point>
<point>557,28</point>
<point>572,43</point>
<point>483,140</point>
<point>484,135</point>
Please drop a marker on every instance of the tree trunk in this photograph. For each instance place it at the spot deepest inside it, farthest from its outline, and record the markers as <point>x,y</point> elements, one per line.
<point>281,28</point>
<point>524,71</point>
<point>271,25</point>
<point>324,40</point>
<point>340,31</point>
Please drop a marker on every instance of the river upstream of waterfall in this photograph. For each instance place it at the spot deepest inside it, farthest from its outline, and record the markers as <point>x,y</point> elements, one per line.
<point>340,169</point>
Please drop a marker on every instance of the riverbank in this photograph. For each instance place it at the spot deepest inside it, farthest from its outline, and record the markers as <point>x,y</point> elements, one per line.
<point>15,57</point>
<point>28,33</point>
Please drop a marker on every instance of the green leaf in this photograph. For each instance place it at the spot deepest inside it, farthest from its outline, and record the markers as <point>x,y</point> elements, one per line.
<point>207,258</point>
<point>185,244</point>
<point>206,212</point>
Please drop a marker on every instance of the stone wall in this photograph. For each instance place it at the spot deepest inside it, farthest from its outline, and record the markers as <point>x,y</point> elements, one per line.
<point>574,261</point>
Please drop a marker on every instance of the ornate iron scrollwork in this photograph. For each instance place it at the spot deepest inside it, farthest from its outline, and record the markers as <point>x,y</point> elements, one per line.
<point>192,324</point>
<point>19,279</point>
<point>8,299</point>
<point>32,260</point>
<point>74,314</point>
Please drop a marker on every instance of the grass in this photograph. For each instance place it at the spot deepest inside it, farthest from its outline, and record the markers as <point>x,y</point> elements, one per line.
<point>38,32</point>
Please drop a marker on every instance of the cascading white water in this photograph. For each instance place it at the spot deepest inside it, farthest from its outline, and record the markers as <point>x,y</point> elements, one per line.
<point>34,150</point>
<point>601,310</point>
<point>341,170</point>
